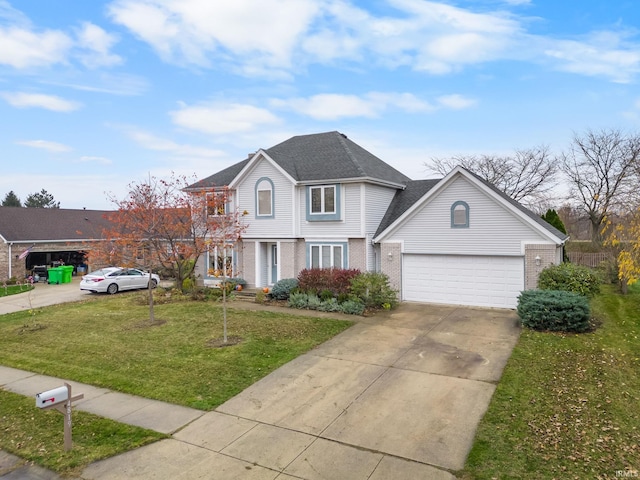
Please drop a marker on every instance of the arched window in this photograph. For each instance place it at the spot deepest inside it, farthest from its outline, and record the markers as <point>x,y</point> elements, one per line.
<point>460,215</point>
<point>264,198</point>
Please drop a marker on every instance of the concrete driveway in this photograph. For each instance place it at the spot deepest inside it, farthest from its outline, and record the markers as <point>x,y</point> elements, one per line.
<point>399,395</point>
<point>42,295</point>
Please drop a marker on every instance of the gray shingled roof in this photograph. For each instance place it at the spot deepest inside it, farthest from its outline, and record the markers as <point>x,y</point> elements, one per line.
<point>403,200</point>
<point>220,179</point>
<point>21,224</point>
<point>317,157</point>
<point>331,155</point>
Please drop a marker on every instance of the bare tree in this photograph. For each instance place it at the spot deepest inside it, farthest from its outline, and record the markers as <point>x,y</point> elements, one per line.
<point>600,167</point>
<point>528,176</point>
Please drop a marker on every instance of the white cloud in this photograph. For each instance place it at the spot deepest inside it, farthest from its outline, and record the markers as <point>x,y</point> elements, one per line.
<point>21,48</point>
<point>53,147</point>
<point>369,105</point>
<point>223,118</point>
<point>605,54</point>
<point>98,43</point>
<point>276,38</point>
<point>38,100</point>
<point>153,142</point>
<point>456,101</point>
<point>100,160</point>
<point>190,31</point>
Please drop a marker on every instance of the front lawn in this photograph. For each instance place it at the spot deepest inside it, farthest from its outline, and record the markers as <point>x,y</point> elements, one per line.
<point>567,406</point>
<point>37,435</point>
<point>107,342</point>
<point>14,289</point>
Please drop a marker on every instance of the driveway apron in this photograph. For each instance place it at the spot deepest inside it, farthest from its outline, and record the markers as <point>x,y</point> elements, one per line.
<point>398,395</point>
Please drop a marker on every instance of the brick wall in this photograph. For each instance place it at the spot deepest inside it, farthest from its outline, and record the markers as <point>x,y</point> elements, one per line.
<point>247,266</point>
<point>358,254</point>
<point>392,266</point>
<point>547,255</point>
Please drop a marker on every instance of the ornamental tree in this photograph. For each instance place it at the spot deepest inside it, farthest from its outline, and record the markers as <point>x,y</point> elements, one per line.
<point>624,238</point>
<point>159,225</point>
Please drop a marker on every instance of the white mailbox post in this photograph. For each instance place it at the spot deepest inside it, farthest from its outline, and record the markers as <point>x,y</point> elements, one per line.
<point>60,398</point>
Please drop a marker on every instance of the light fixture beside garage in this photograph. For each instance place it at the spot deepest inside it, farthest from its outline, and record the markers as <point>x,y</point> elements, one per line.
<point>538,260</point>
<point>390,256</point>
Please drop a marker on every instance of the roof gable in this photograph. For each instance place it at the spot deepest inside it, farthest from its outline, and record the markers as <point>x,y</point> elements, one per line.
<point>401,207</point>
<point>22,224</point>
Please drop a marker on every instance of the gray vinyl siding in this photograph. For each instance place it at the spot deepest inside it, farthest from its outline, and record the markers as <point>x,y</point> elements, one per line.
<point>493,229</point>
<point>376,200</point>
<point>348,226</point>
<point>282,222</point>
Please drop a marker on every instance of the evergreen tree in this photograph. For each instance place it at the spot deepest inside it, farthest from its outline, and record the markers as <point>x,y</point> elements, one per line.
<point>42,199</point>
<point>11,200</point>
<point>553,218</point>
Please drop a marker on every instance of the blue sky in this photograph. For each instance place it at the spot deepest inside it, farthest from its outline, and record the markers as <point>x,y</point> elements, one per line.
<point>97,94</point>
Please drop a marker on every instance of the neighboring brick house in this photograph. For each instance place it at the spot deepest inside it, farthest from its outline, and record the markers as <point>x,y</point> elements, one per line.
<point>48,234</point>
<point>321,200</point>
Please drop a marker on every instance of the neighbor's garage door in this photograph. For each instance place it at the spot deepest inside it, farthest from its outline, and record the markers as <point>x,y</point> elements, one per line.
<point>463,280</point>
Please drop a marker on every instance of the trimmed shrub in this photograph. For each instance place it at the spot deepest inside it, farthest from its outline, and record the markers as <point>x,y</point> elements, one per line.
<point>330,305</point>
<point>554,310</point>
<point>353,307</point>
<point>282,288</point>
<point>570,278</point>
<point>299,300</point>
<point>313,302</point>
<point>326,295</point>
<point>374,290</point>
<point>316,280</point>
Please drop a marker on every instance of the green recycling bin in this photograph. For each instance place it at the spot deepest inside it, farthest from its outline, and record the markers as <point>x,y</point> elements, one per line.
<point>67,272</point>
<point>54,275</point>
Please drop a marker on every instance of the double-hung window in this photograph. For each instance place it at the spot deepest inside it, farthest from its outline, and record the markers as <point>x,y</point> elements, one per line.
<point>323,203</point>
<point>217,204</point>
<point>220,262</point>
<point>326,256</point>
<point>323,199</point>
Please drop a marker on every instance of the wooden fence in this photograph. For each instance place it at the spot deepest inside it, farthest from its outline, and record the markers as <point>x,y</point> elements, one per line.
<point>588,259</point>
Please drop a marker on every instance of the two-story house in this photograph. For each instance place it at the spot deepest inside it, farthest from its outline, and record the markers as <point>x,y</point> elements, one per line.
<point>321,200</point>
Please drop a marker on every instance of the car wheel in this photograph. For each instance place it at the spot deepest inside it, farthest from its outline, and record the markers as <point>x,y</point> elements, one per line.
<point>154,284</point>
<point>111,289</point>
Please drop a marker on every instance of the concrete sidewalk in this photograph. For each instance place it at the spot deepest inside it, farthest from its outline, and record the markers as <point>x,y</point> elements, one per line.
<point>398,395</point>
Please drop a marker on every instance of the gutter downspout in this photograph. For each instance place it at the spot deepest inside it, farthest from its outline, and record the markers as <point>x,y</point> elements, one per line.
<point>10,262</point>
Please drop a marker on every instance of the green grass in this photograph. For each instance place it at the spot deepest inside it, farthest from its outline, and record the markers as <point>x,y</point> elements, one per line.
<point>13,289</point>
<point>567,406</point>
<point>107,342</point>
<point>37,435</point>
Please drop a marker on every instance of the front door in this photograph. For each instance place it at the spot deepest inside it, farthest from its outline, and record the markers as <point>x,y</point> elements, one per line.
<point>274,263</point>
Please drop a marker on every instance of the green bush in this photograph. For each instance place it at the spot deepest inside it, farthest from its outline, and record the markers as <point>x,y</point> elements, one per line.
<point>353,307</point>
<point>554,310</point>
<point>330,305</point>
<point>299,300</point>
<point>570,278</point>
<point>374,290</point>
<point>313,302</point>
<point>282,288</point>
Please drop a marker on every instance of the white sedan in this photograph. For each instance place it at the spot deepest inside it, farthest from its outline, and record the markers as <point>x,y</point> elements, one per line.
<point>112,280</point>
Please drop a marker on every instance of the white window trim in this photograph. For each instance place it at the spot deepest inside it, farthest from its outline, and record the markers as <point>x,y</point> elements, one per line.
<point>323,210</point>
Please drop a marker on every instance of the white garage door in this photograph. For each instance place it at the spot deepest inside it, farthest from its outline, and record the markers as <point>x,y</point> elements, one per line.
<point>463,280</point>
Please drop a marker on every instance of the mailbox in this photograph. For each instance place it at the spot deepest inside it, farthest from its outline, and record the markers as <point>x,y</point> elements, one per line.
<point>52,397</point>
